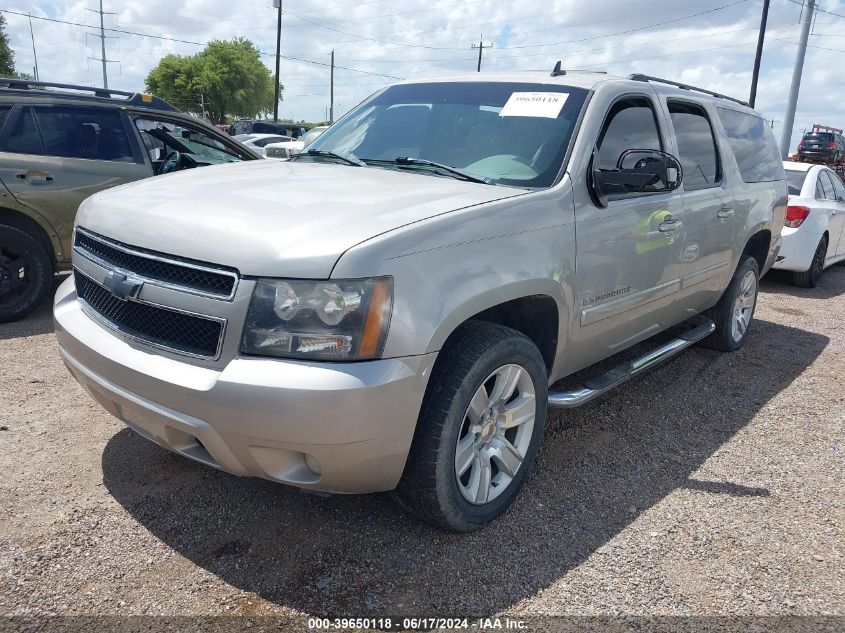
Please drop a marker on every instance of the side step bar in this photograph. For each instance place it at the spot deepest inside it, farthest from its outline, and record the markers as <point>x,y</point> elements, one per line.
<point>702,327</point>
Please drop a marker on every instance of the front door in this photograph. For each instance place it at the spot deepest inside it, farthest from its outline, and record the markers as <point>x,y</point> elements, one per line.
<point>707,195</point>
<point>628,253</point>
<point>53,157</point>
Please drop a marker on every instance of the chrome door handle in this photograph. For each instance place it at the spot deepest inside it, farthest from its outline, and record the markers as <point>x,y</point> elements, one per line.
<point>667,226</point>
<point>724,213</point>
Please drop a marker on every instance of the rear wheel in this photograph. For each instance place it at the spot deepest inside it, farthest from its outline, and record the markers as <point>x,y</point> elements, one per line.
<point>735,310</point>
<point>479,428</point>
<point>810,277</point>
<point>26,273</point>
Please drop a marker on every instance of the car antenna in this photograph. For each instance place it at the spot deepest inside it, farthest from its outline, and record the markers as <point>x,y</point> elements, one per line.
<point>557,71</point>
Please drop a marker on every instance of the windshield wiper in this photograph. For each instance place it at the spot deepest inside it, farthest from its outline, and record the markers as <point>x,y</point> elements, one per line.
<point>407,161</point>
<point>350,160</point>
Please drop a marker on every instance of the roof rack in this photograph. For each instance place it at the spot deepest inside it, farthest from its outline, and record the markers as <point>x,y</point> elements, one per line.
<point>138,99</point>
<point>639,77</point>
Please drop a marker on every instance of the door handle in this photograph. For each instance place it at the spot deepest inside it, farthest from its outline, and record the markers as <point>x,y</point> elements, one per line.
<point>35,177</point>
<point>724,213</point>
<point>667,226</point>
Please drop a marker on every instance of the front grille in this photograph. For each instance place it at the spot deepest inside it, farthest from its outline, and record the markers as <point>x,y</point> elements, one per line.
<point>162,327</point>
<point>157,267</point>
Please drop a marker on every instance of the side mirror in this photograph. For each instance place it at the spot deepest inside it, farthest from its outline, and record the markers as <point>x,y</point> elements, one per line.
<point>637,171</point>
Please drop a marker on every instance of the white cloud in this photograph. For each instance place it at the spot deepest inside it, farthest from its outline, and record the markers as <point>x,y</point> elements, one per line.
<point>421,37</point>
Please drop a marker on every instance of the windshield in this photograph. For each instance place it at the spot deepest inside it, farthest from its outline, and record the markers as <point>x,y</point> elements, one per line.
<point>510,133</point>
<point>818,136</point>
<point>795,181</point>
<point>311,135</point>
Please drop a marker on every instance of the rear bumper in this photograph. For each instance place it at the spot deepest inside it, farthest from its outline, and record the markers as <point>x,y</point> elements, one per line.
<point>336,427</point>
<point>799,246</point>
<point>821,155</point>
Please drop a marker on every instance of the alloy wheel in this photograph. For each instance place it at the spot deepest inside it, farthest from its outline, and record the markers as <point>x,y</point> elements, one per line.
<point>495,434</point>
<point>744,305</point>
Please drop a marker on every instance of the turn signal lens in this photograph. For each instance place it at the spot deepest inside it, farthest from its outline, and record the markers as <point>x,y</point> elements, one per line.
<point>795,215</point>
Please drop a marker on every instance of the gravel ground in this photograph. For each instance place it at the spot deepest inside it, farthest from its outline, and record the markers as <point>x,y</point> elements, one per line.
<point>712,486</point>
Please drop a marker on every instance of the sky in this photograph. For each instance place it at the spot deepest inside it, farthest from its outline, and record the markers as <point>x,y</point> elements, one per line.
<point>707,43</point>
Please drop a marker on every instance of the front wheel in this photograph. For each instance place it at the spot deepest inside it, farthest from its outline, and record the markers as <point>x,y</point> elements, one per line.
<point>733,314</point>
<point>479,428</point>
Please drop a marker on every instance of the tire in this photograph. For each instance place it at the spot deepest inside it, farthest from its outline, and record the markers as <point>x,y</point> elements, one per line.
<point>477,357</point>
<point>810,277</point>
<point>731,332</point>
<point>26,273</point>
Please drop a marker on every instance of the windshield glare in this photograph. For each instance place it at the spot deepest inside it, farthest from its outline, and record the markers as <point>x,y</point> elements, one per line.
<point>466,126</point>
<point>795,181</point>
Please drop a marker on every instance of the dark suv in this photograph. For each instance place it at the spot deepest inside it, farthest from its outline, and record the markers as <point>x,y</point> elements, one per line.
<point>60,144</point>
<point>822,147</point>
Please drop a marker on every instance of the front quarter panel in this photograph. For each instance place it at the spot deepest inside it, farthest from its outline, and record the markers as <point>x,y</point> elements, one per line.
<point>449,268</point>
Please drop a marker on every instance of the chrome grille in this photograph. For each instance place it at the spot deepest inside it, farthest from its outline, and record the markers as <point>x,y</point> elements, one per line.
<point>166,270</point>
<point>159,326</point>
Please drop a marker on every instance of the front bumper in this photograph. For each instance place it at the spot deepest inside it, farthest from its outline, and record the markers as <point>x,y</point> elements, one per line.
<point>335,427</point>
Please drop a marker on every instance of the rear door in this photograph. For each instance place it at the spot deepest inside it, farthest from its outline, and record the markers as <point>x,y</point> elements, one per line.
<point>834,192</point>
<point>53,157</point>
<point>707,195</point>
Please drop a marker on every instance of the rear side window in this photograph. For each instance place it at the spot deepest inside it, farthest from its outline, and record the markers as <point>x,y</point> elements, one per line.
<point>92,133</point>
<point>630,124</point>
<point>753,146</point>
<point>23,137</point>
<point>828,192</point>
<point>696,146</point>
<point>838,187</point>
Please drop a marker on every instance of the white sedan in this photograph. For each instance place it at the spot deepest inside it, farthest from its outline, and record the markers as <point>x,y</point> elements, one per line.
<point>293,147</point>
<point>257,142</point>
<point>815,222</point>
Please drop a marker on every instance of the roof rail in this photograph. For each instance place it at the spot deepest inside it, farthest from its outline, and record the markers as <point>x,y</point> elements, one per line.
<point>639,77</point>
<point>138,99</point>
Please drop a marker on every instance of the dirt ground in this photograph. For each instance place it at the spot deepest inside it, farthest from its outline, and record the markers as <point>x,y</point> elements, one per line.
<point>713,486</point>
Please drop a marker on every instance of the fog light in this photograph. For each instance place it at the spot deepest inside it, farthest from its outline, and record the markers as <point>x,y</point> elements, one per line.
<point>313,464</point>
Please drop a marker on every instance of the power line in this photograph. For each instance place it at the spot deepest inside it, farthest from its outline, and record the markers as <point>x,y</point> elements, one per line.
<point>181,41</point>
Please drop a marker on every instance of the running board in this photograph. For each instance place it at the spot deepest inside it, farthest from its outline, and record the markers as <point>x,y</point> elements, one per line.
<point>702,327</point>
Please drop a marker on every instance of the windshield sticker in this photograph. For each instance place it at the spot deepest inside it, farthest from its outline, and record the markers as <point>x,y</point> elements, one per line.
<point>535,104</point>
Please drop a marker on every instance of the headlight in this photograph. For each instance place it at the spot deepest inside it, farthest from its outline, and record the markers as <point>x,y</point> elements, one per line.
<point>325,320</point>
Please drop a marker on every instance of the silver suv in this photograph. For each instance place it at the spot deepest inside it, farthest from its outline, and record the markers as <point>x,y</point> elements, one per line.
<point>387,310</point>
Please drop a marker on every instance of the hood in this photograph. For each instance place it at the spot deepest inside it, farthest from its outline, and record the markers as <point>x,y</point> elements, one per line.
<point>274,218</point>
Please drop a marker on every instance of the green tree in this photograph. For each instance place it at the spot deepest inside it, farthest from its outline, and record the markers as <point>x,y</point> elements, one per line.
<point>228,75</point>
<point>7,55</point>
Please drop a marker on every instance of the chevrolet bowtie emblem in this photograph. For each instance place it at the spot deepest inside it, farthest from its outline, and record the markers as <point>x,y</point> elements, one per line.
<point>123,286</point>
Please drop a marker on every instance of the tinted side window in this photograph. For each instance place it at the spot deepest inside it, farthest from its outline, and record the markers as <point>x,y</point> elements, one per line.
<point>827,186</point>
<point>93,133</point>
<point>696,146</point>
<point>24,137</point>
<point>819,191</point>
<point>838,187</point>
<point>4,112</point>
<point>753,145</point>
<point>630,124</point>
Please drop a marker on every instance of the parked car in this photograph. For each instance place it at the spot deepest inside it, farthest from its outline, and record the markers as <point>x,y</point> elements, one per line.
<point>389,310</point>
<point>250,126</point>
<point>815,222</point>
<point>286,149</point>
<point>822,147</point>
<point>257,142</point>
<point>58,145</point>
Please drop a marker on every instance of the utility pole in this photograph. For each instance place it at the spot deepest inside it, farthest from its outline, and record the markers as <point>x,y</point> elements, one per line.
<point>761,35</point>
<point>481,46</point>
<point>202,105</point>
<point>278,5</point>
<point>102,35</point>
<point>34,56</point>
<point>331,92</point>
<point>103,48</point>
<point>789,119</point>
